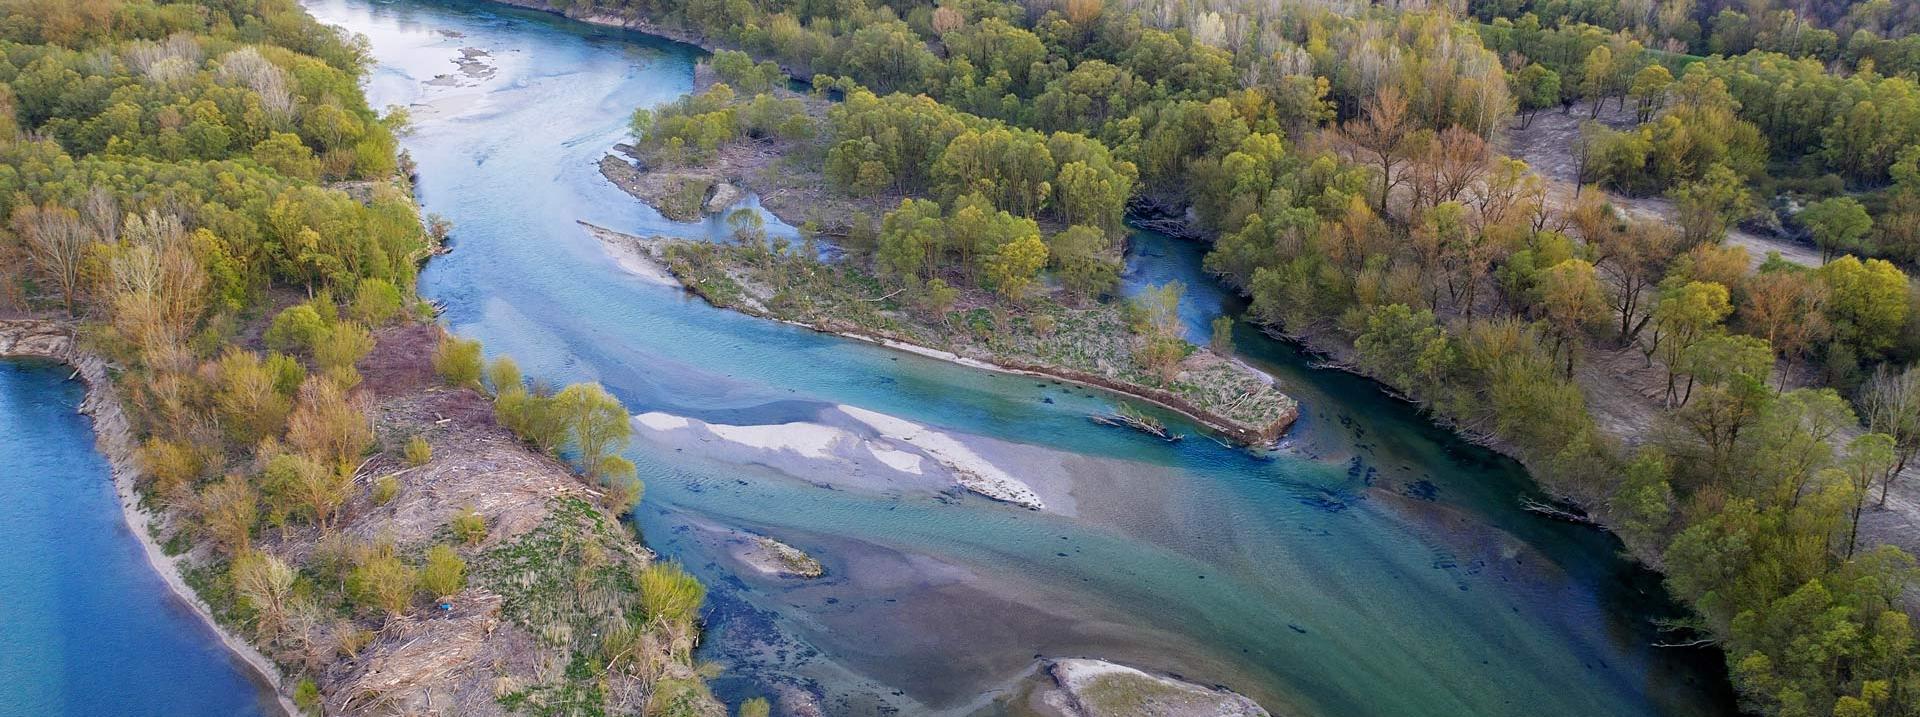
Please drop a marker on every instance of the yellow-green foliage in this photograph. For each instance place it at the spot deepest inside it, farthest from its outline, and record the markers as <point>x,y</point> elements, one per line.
<point>385,489</point>
<point>468,526</point>
<point>458,362</point>
<point>445,573</point>
<point>382,582</point>
<point>668,592</point>
<point>756,707</point>
<point>419,451</point>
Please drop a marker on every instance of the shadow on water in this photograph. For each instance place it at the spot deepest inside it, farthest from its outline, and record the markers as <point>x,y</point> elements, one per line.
<point>1377,567</point>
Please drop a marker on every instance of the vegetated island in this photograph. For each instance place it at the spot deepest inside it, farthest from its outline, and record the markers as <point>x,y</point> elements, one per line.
<point>975,284</point>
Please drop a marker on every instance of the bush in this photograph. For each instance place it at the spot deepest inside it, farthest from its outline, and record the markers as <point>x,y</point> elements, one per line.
<point>504,375</point>
<point>756,707</point>
<point>376,301</point>
<point>297,329</point>
<point>445,573</point>
<point>286,372</point>
<point>307,696</point>
<point>458,362</point>
<point>668,592</point>
<point>342,347</point>
<point>385,489</point>
<point>468,526</point>
<point>419,451</point>
<point>170,465</point>
<point>382,582</point>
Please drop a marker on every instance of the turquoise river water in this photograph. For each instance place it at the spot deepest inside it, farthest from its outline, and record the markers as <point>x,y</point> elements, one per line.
<point>1373,566</point>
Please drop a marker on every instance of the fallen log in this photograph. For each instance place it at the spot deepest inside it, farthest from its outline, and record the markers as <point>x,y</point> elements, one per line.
<point>1138,423</point>
<point>1555,512</point>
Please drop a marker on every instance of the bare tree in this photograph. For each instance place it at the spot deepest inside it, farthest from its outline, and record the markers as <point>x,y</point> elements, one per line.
<point>1891,402</point>
<point>57,243</point>
<point>1382,133</point>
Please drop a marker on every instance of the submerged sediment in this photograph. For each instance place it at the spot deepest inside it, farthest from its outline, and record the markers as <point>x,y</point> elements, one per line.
<point>1097,688</point>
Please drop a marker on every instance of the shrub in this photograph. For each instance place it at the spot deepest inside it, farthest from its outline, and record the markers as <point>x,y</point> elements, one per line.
<point>250,404</point>
<point>445,573</point>
<point>756,707</point>
<point>328,425</point>
<point>419,451</point>
<point>385,489</point>
<point>307,696</point>
<point>286,372</point>
<point>668,592</point>
<point>458,362</point>
<point>1222,340</point>
<point>170,465</point>
<point>468,526</point>
<point>376,301</point>
<point>343,347</point>
<point>382,582</point>
<point>298,328</point>
<point>504,375</point>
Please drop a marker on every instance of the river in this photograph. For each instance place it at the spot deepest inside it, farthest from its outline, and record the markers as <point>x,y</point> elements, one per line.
<point>1374,565</point>
<point>89,628</point>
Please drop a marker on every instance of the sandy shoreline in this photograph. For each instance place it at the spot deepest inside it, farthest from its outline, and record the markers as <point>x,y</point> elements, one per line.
<point>114,439</point>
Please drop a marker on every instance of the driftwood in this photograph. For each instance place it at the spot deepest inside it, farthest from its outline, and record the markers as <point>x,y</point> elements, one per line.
<point>1534,506</point>
<point>1141,424</point>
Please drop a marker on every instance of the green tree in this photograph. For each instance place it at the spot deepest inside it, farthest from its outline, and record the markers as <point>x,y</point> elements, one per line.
<point>1711,205</point>
<point>1866,303</point>
<point>1686,313</point>
<point>598,426</point>
<point>1572,299</point>
<point>1011,268</point>
<point>1405,348</point>
<point>1839,225</point>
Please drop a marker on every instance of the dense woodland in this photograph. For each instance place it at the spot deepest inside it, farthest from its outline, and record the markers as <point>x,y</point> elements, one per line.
<point>1344,157</point>
<point>203,187</point>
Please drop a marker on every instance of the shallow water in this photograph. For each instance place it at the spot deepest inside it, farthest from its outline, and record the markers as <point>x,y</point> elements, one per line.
<point>1374,566</point>
<point>89,628</point>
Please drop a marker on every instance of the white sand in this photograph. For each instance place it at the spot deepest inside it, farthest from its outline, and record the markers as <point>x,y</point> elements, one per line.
<point>811,440</point>
<point>630,253</point>
<point>973,472</point>
<point>661,421</point>
<point>896,459</point>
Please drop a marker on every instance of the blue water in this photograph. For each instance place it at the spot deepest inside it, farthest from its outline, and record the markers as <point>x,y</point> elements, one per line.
<point>86,627</point>
<point>1374,566</point>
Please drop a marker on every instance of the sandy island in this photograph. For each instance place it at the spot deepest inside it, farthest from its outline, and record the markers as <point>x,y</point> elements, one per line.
<point>893,456</point>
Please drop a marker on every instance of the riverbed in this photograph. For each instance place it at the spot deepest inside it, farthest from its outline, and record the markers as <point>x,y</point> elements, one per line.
<point>89,628</point>
<point>1374,565</point>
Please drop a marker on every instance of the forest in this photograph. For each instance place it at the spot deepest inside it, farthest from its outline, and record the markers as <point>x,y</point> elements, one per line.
<point>202,188</point>
<point>1347,161</point>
